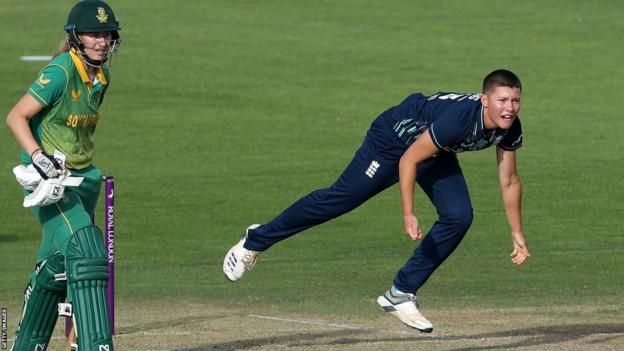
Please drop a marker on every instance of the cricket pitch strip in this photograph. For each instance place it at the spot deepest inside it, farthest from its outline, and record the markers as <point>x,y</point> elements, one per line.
<point>198,327</point>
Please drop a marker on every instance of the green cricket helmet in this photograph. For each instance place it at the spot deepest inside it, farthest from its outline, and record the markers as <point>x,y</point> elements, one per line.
<point>92,16</point>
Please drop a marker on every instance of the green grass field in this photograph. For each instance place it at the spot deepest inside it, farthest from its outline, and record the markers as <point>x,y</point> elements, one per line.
<point>222,113</point>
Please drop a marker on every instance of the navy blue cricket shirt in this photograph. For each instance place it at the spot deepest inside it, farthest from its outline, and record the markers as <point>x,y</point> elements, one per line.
<point>454,120</point>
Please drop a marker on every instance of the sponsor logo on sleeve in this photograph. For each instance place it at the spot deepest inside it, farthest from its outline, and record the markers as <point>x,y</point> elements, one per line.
<point>41,81</point>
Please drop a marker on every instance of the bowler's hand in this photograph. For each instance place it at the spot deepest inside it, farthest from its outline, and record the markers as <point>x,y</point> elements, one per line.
<point>521,251</point>
<point>412,228</point>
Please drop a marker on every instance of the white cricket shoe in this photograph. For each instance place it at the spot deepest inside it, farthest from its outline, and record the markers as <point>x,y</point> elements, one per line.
<point>239,259</point>
<point>404,307</point>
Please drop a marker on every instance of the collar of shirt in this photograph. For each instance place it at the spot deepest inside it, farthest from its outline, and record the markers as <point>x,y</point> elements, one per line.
<point>481,119</point>
<point>82,71</point>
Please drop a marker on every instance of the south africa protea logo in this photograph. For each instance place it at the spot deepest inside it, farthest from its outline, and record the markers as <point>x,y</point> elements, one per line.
<point>102,16</point>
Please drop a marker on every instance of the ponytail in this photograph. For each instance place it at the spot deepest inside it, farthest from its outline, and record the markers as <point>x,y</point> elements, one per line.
<point>63,48</point>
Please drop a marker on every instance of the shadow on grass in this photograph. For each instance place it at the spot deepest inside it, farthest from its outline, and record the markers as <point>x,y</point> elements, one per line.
<point>525,337</point>
<point>546,335</point>
<point>299,339</point>
<point>8,238</point>
<point>138,328</point>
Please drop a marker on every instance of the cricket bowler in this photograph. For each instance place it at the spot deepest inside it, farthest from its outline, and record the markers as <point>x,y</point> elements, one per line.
<point>416,141</point>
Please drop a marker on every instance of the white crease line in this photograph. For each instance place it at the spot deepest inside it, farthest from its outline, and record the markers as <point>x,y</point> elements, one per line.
<point>432,336</point>
<point>142,333</point>
<point>334,325</point>
<point>36,58</point>
<point>608,334</point>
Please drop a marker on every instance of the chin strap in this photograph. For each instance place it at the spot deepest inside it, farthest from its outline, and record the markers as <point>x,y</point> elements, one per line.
<point>74,42</point>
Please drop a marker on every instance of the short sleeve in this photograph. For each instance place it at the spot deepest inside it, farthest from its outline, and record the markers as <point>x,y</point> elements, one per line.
<point>513,138</point>
<point>450,129</point>
<point>49,86</point>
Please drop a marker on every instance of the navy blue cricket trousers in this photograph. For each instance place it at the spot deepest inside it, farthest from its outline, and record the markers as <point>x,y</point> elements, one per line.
<point>374,168</point>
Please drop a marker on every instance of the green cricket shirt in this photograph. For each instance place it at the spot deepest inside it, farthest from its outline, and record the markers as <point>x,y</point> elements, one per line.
<point>70,103</point>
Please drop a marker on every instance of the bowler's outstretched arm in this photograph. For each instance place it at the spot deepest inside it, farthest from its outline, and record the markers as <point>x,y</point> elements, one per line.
<point>511,189</point>
<point>420,150</point>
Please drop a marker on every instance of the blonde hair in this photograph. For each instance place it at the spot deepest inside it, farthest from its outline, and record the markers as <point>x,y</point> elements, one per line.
<point>63,48</point>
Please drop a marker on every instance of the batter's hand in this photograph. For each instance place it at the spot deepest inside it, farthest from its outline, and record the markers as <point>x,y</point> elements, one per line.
<point>520,252</point>
<point>46,165</point>
<point>412,228</point>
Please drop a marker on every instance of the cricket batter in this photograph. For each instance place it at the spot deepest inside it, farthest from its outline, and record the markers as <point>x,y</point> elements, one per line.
<point>60,112</point>
<point>416,141</point>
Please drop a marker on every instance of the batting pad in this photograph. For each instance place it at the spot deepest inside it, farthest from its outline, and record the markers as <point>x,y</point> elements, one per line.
<point>40,305</point>
<point>87,277</point>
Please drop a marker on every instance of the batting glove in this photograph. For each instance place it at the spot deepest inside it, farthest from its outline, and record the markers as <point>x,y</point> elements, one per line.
<point>47,166</point>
